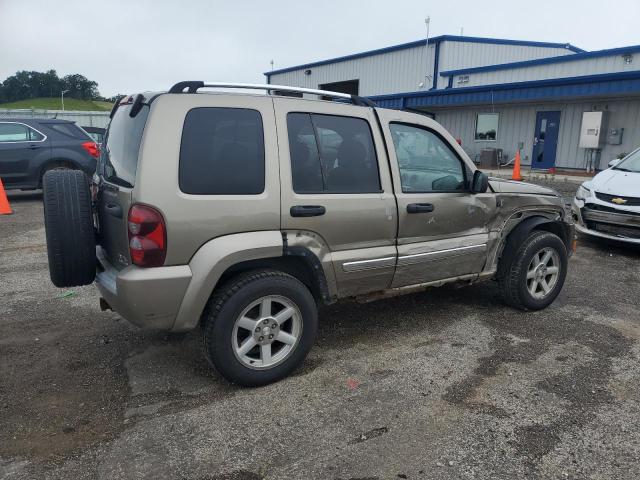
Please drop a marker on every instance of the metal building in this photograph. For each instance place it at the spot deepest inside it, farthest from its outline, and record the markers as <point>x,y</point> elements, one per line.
<point>497,96</point>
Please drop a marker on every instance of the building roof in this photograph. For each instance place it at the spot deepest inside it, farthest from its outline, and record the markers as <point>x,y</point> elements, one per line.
<point>600,85</point>
<point>434,40</point>
<point>544,61</point>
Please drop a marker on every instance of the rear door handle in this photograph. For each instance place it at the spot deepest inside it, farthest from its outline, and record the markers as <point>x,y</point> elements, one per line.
<point>33,147</point>
<point>420,208</point>
<point>307,210</point>
<point>114,210</point>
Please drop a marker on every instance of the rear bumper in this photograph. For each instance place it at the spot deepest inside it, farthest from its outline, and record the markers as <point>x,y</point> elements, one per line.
<point>147,297</point>
<point>620,225</point>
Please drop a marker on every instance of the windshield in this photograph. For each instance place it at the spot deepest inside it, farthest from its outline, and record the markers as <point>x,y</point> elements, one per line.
<point>119,158</point>
<point>630,163</point>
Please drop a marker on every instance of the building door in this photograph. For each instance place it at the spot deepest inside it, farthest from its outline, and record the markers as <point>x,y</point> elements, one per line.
<point>545,141</point>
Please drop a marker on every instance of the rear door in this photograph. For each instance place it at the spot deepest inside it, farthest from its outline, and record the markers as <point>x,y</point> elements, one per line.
<point>20,146</point>
<point>443,228</point>
<point>117,176</point>
<point>336,186</point>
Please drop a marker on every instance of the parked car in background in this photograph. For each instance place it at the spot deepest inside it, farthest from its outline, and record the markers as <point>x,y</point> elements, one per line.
<point>96,133</point>
<point>31,147</point>
<point>608,206</point>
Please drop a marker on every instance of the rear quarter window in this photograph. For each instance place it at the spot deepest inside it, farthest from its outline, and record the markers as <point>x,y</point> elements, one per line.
<point>222,152</point>
<point>68,130</point>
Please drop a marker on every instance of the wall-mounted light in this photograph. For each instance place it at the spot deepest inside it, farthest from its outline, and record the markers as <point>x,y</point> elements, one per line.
<point>628,58</point>
<point>307,72</point>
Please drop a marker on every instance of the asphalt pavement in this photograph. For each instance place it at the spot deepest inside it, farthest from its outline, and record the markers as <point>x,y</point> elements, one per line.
<point>444,384</point>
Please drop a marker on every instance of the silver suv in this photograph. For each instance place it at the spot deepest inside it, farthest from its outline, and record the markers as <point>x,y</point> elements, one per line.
<point>240,213</point>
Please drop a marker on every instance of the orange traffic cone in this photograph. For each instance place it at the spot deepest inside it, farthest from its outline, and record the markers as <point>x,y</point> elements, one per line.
<point>5,209</point>
<point>516,168</point>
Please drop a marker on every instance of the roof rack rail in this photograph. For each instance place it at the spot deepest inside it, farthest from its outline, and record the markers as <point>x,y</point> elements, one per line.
<point>193,86</point>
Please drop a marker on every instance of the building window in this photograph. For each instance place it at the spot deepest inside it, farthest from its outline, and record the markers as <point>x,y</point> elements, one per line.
<point>487,127</point>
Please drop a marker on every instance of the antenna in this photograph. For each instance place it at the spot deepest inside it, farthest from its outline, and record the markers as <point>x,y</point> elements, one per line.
<point>271,62</point>
<point>427,22</point>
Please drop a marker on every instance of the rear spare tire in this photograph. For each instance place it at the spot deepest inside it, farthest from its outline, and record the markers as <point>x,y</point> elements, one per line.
<point>68,221</point>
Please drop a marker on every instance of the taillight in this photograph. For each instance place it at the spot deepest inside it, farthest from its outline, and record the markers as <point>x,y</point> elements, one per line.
<point>92,149</point>
<point>147,236</point>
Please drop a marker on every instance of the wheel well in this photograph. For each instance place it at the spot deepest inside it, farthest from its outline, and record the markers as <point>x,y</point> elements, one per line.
<point>295,266</point>
<point>553,227</point>
<point>522,230</point>
<point>60,163</point>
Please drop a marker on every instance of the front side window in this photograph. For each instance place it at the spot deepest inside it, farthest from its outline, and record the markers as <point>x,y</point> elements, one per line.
<point>426,162</point>
<point>487,127</point>
<point>17,132</point>
<point>222,152</point>
<point>332,154</point>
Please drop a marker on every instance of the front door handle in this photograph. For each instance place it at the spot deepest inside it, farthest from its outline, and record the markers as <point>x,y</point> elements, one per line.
<point>420,208</point>
<point>307,210</point>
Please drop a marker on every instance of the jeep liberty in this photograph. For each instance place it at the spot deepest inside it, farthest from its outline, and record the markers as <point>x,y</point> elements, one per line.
<point>239,213</point>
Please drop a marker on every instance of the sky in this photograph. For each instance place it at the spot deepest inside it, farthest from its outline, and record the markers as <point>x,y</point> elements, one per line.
<point>140,45</point>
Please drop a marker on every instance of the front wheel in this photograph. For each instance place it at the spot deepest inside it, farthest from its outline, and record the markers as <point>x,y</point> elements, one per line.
<point>536,273</point>
<point>259,327</point>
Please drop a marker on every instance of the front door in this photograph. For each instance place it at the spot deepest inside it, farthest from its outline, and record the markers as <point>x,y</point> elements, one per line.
<point>442,226</point>
<point>545,141</point>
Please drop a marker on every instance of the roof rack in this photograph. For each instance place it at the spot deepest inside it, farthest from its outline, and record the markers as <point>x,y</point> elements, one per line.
<point>193,86</point>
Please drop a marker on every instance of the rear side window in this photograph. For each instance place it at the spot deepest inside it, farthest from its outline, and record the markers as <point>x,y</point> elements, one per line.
<point>17,132</point>
<point>332,154</point>
<point>119,155</point>
<point>69,130</point>
<point>222,152</point>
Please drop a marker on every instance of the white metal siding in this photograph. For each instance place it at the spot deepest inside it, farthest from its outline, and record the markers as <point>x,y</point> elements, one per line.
<point>398,71</point>
<point>402,70</point>
<point>456,55</point>
<point>517,124</point>
<point>593,66</point>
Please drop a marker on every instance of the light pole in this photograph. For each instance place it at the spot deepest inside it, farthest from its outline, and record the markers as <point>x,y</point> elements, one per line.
<point>63,92</point>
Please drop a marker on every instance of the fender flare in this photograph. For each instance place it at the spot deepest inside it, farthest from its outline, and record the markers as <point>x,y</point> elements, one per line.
<point>520,232</point>
<point>212,259</point>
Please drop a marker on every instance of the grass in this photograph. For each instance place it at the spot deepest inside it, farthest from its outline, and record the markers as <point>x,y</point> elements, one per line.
<point>55,104</point>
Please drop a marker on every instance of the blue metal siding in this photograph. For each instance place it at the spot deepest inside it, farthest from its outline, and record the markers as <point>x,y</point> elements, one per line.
<point>573,87</point>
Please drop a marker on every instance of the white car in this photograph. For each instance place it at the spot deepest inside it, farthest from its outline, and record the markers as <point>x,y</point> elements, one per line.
<point>608,205</point>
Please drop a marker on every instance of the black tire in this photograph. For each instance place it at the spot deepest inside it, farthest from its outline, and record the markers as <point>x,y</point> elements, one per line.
<point>68,221</point>
<point>226,305</point>
<point>513,284</point>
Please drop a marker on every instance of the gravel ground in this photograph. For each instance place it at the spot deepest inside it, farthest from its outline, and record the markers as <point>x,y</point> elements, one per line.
<point>446,384</point>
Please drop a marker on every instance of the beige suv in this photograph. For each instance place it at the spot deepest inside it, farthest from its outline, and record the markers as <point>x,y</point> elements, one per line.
<point>240,213</point>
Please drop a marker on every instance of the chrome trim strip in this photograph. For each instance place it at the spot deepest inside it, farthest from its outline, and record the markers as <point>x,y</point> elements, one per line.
<point>369,264</point>
<point>439,254</point>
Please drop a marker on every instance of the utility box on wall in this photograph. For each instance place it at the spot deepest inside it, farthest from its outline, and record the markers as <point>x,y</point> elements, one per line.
<point>593,130</point>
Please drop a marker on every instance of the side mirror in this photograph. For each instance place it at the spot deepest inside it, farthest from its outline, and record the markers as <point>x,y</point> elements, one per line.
<point>614,162</point>
<point>480,182</point>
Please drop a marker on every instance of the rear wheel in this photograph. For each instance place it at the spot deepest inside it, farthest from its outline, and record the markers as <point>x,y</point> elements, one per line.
<point>536,273</point>
<point>68,221</point>
<point>259,327</point>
